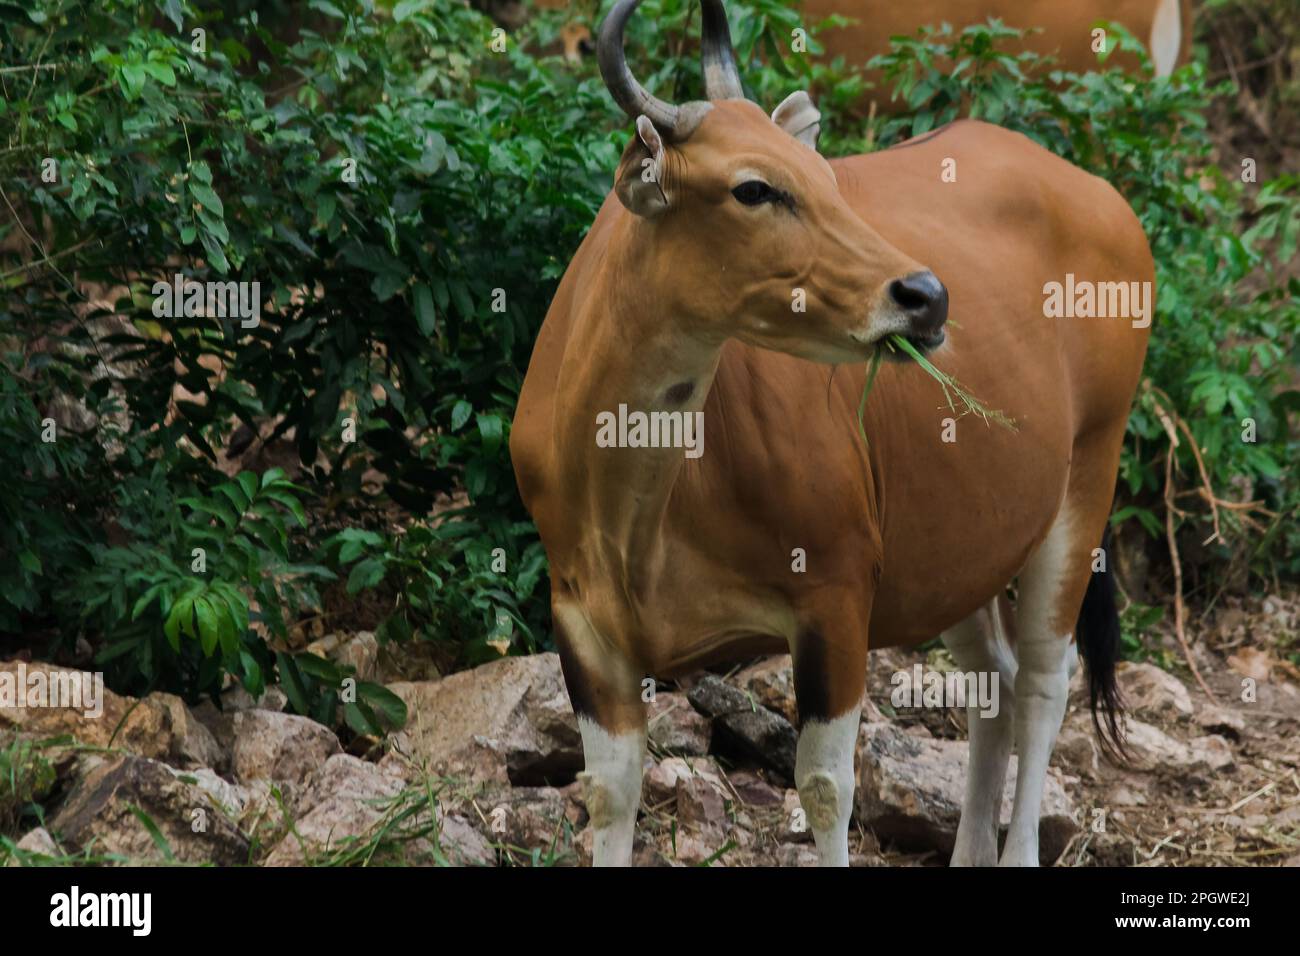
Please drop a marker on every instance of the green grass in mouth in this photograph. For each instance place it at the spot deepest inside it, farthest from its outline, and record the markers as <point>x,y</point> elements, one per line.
<point>951,387</point>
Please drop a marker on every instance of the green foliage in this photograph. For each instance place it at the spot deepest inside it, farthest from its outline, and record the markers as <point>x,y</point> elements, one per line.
<point>487,613</point>
<point>42,539</point>
<point>26,778</point>
<point>1136,621</point>
<point>179,600</point>
<point>317,688</point>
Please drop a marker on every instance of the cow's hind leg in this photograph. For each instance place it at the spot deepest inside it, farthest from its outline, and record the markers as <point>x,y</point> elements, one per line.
<point>605,693</point>
<point>1051,591</point>
<point>980,644</point>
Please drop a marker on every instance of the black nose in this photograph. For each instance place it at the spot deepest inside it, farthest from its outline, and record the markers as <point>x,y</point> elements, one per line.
<point>925,300</point>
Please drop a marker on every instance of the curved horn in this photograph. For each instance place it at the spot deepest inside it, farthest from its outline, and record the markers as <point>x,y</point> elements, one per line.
<point>721,78</point>
<point>622,85</point>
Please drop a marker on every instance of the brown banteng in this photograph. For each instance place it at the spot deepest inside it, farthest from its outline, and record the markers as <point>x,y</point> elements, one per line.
<point>1062,30</point>
<point>735,274</point>
<point>574,38</point>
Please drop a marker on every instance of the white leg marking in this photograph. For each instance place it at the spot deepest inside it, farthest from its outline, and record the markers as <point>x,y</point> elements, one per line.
<point>979,644</point>
<point>823,774</point>
<point>612,780</point>
<point>1042,683</point>
<point>1166,36</point>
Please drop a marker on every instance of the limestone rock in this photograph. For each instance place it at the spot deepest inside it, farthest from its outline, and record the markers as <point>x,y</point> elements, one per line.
<point>506,721</point>
<point>285,748</point>
<point>675,727</point>
<point>99,815</point>
<point>911,791</point>
<point>744,725</point>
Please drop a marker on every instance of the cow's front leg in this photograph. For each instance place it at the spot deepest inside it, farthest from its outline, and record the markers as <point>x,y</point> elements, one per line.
<point>829,678</point>
<point>605,691</point>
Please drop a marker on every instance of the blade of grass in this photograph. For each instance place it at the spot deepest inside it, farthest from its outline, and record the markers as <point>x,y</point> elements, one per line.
<point>872,369</point>
<point>949,385</point>
<point>154,832</point>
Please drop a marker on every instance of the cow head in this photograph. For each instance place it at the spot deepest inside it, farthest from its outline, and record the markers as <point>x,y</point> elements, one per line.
<point>741,223</point>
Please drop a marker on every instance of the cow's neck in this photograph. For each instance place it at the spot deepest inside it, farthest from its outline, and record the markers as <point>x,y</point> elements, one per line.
<point>623,350</point>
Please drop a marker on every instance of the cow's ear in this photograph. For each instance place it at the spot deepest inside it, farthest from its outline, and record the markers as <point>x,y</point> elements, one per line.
<point>798,117</point>
<point>640,184</point>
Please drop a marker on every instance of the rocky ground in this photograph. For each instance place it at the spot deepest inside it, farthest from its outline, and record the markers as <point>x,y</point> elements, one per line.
<point>484,772</point>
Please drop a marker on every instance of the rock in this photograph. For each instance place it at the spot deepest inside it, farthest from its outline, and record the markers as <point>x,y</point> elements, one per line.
<point>659,784</point>
<point>93,715</point>
<point>1152,693</point>
<point>1077,748</point>
<point>771,681</point>
<point>1220,720</point>
<point>796,854</point>
<point>241,803</point>
<point>700,803</point>
<point>662,781</point>
<point>235,698</point>
<point>756,731</point>
<point>1152,749</point>
<point>192,744</point>
<point>285,748</point>
<point>1253,662</point>
<point>532,818</point>
<point>413,661</point>
<point>347,799</point>
<point>158,726</point>
<point>341,802</point>
<point>359,651</point>
<point>690,849</point>
<point>647,856</point>
<point>1212,751</point>
<point>36,841</point>
<point>675,727</point>
<point>98,815</point>
<point>911,791</point>
<point>220,721</point>
<point>459,843</point>
<point>753,790</point>
<point>506,721</point>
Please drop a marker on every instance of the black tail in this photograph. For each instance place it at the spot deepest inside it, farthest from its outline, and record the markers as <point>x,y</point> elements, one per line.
<point>1097,634</point>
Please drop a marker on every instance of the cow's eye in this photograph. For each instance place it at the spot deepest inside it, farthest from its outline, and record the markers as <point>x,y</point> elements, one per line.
<point>755,192</point>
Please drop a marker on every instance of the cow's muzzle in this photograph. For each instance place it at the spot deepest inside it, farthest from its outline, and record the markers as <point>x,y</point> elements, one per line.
<point>923,299</point>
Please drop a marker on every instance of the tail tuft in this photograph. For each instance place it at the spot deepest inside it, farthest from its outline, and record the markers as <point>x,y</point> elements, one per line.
<point>1098,637</point>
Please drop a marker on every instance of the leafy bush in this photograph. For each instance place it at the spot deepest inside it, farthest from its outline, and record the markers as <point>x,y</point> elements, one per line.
<point>205,579</point>
<point>403,299</point>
